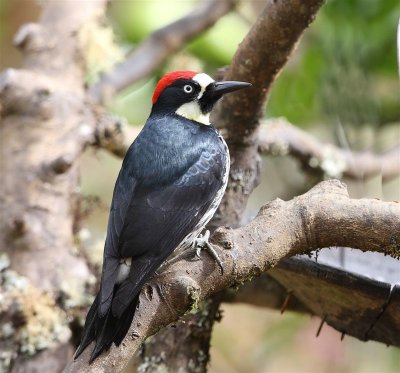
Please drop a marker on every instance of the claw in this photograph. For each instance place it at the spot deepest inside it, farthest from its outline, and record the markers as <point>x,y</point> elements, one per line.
<point>201,243</point>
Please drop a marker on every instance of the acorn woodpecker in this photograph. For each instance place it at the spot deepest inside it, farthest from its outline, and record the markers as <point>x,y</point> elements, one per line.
<point>171,182</point>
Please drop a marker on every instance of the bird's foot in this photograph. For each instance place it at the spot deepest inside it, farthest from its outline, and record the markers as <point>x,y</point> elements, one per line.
<point>201,243</point>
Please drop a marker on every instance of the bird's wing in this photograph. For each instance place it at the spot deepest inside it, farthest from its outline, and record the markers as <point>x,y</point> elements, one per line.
<point>123,193</point>
<point>159,219</point>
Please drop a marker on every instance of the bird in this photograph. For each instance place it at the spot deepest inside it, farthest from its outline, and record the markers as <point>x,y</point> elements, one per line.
<point>171,182</point>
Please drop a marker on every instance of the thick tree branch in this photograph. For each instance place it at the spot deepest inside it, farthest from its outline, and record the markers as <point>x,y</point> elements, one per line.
<point>149,55</point>
<point>353,304</point>
<point>42,176</point>
<point>325,216</point>
<point>45,125</point>
<point>260,57</point>
<point>280,137</point>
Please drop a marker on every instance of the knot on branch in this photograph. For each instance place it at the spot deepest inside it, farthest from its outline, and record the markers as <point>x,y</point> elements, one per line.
<point>223,238</point>
<point>58,166</point>
<point>61,164</point>
<point>18,228</point>
<point>110,134</point>
<point>184,290</point>
<point>21,228</point>
<point>268,208</point>
<point>32,37</point>
<point>25,92</point>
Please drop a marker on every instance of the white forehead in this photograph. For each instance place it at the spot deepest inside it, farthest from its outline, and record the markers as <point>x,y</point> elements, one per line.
<point>203,79</point>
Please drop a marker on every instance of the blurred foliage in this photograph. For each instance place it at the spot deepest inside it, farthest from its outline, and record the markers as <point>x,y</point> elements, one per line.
<point>347,69</point>
<point>256,340</point>
<point>3,25</point>
<point>137,19</point>
<point>344,70</point>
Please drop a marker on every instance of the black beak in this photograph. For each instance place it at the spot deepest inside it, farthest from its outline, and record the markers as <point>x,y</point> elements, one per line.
<point>215,90</point>
<point>220,88</point>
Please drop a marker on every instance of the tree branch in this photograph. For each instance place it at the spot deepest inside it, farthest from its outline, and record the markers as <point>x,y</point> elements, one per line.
<point>260,57</point>
<point>264,291</point>
<point>45,125</point>
<point>281,137</point>
<point>149,55</point>
<point>353,304</point>
<point>325,216</point>
<point>112,133</point>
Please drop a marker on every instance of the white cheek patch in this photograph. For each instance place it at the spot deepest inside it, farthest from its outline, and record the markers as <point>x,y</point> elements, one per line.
<point>192,111</point>
<point>204,80</point>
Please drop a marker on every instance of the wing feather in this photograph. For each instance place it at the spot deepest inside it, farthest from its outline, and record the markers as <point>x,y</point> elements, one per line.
<point>123,194</point>
<point>160,218</point>
<point>171,213</point>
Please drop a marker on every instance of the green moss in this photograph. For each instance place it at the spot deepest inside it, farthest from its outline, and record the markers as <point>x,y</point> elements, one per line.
<point>393,249</point>
<point>194,298</point>
<point>35,321</point>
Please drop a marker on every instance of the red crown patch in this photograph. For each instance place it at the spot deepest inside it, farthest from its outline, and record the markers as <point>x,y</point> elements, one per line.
<point>168,79</point>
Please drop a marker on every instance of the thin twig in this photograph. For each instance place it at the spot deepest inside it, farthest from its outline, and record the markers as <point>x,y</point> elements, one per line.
<point>279,137</point>
<point>149,55</point>
<point>320,327</point>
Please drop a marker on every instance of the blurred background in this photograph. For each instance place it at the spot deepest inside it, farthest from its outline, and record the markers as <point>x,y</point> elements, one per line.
<point>341,85</point>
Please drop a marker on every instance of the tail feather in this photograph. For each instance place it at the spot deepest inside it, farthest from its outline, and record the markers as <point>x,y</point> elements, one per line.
<point>111,329</point>
<point>105,330</point>
<point>89,327</point>
<point>126,322</point>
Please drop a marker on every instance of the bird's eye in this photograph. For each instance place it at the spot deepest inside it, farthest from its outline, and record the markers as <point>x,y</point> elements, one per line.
<point>188,88</point>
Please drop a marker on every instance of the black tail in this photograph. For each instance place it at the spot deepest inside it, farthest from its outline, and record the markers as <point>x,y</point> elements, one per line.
<point>105,330</point>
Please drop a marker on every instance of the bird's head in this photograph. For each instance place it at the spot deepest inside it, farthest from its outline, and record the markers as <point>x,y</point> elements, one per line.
<point>191,95</point>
